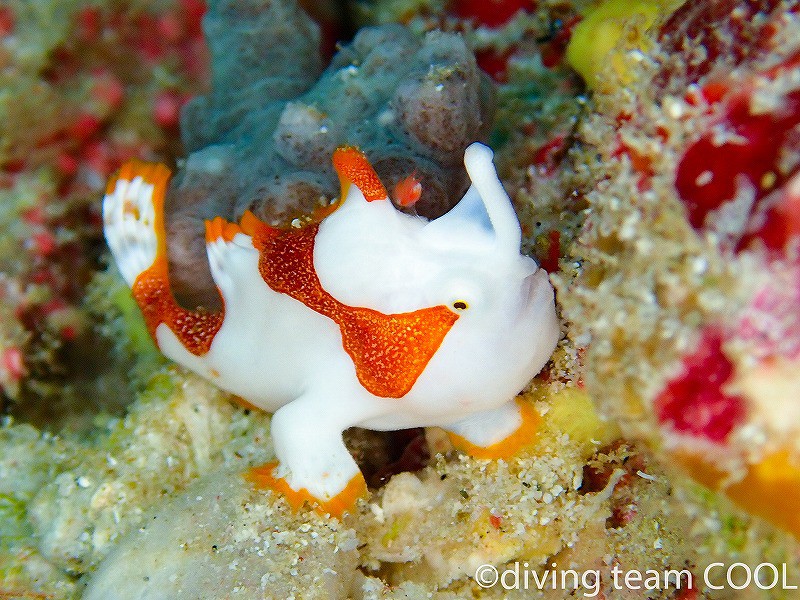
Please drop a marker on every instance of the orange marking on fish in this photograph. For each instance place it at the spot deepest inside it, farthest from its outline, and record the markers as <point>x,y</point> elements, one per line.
<point>220,228</point>
<point>322,212</point>
<point>389,351</point>
<point>509,447</point>
<point>408,191</point>
<point>229,231</point>
<point>263,477</point>
<point>253,226</point>
<point>194,328</point>
<point>353,168</point>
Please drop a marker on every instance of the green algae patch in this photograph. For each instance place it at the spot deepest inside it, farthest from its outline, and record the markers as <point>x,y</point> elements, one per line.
<point>119,319</point>
<point>16,528</point>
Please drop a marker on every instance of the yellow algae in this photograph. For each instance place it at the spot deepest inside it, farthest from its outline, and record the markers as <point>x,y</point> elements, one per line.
<point>493,541</point>
<point>397,526</point>
<point>571,411</point>
<point>614,25</point>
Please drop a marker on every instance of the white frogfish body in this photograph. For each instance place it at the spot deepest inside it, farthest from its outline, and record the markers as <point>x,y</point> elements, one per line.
<point>370,318</point>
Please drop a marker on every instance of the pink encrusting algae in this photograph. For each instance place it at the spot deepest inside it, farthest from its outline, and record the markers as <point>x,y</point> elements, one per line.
<point>104,93</point>
<point>741,147</point>
<point>695,401</point>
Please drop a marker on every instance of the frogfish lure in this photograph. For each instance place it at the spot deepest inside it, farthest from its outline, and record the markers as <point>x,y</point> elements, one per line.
<point>370,318</point>
<point>408,191</point>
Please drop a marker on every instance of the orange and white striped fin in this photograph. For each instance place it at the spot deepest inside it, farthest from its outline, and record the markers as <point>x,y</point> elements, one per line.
<point>133,216</point>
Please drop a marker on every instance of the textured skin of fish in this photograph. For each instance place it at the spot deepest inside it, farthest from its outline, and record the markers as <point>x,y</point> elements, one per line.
<point>369,318</point>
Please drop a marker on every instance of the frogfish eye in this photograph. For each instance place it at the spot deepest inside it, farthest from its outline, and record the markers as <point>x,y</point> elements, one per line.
<point>460,305</point>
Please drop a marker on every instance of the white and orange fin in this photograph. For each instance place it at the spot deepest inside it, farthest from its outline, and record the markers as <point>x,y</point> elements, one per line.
<point>264,477</point>
<point>219,228</point>
<point>314,466</point>
<point>499,433</point>
<point>133,223</point>
<point>133,210</point>
<point>232,258</point>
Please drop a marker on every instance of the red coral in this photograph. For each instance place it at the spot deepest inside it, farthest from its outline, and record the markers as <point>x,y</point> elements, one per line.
<point>743,147</point>
<point>748,149</point>
<point>724,28</point>
<point>13,364</point>
<point>108,90</point>
<point>85,127</point>
<point>554,50</point>
<point>89,23</point>
<point>6,20</point>
<point>93,72</point>
<point>550,262</point>
<point>687,593</point>
<point>546,158</point>
<point>492,13</point>
<point>642,164</point>
<point>495,64</point>
<point>695,402</point>
<point>67,164</point>
<point>44,243</point>
<point>167,109</point>
<point>192,12</point>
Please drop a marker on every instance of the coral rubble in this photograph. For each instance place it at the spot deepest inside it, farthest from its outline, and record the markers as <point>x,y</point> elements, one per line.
<point>689,250</point>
